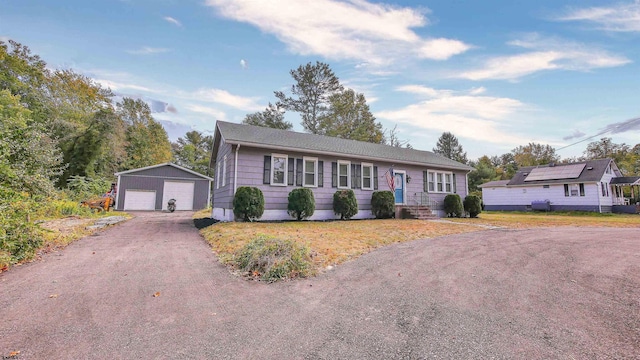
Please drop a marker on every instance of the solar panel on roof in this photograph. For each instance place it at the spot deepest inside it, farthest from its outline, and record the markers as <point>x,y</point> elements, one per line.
<point>556,172</point>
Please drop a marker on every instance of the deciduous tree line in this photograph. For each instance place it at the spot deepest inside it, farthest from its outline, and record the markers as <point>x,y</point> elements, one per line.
<point>503,167</point>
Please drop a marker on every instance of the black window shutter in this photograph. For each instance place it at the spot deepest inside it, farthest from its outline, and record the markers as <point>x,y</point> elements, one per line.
<point>425,181</point>
<point>320,173</point>
<point>353,176</point>
<point>266,177</point>
<point>375,178</point>
<point>334,174</point>
<point>455,189</point>
<point>299,172</point>
<point>290,171</point>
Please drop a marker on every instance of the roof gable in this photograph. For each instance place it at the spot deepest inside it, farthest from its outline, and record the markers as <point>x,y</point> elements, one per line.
<point>161,165</point>
<point>263,137</point>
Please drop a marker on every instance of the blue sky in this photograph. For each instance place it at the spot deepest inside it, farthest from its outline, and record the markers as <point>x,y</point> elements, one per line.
<point>497,74</point>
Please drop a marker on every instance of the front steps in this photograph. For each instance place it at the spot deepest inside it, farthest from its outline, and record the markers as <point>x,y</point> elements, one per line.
<point>417,212</point>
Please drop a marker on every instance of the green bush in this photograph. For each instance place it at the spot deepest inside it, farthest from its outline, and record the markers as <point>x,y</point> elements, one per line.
<point>248,203</point>
<point>83,188</point>
<point>453,205</point>
<point>473,205</point>
<point>383,204</point>
<point>274,259</point>
<point>345,204</point>
<point>20,237</point>
<point>301,203</point>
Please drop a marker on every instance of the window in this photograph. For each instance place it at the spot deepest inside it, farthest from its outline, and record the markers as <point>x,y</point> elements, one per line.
<point>344,174</point>
<point>224,171</point>
<point>573,190</point>
<point>443,182</point>
<point>218,177</point>
<point>545,186</point>
<point>310,171</point>
<point>279,170</point>
<point>432,181</point>
<point>367,176</point>
<point>605,189</point>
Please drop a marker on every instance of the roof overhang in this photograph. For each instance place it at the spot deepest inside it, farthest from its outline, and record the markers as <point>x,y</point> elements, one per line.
<point>339,154</point>
<point>160,165</point>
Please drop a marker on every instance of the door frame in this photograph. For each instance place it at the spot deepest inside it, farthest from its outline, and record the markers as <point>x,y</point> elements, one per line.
<point>404,186</point>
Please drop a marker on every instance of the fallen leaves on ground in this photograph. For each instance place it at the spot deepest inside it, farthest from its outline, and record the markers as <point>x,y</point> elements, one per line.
<point>156,294</point>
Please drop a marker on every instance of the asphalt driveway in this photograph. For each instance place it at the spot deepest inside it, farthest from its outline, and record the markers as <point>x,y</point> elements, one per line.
<point>562,293</point>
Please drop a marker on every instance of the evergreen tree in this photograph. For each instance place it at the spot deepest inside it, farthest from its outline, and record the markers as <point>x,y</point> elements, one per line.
<point>349,117</point>
<point>449,147</point>
<point>314,84</point>
<point>272,117</point>
<point>193,151</point>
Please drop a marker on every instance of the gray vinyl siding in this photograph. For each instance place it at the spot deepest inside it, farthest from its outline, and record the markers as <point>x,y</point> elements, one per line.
<point>153,179</point>
<point>223,195</point>
<point>251,166</point>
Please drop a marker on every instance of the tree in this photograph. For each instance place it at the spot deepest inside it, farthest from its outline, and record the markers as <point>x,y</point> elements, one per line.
<point>484,172</point>
<point>606,148</point>
<point>193,151</point>
<point>449,147</point>
<point>314,84</point>
<point>29,159</point>
<point>349,117</point>
<point>272,117</point>
<point>147,142</point>
<point>25,75</point>
<point>535,154</point>
<point>394,139</point>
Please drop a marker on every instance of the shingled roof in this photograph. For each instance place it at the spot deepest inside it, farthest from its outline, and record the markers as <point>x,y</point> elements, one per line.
<point>592,172</point>
<point>284,140</point>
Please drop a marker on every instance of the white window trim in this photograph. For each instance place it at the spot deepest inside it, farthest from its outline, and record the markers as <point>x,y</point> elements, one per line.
<point>444,183</point>
<point>224,171</point>
<point>304,171</point>
<point>348,163</point>
<point>286,172</point>
<point>218,177</point>
<point>362,166</point>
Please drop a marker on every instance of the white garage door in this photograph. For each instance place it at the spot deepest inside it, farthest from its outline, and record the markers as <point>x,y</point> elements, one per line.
<point>182,191</point>
<point>139,200</point>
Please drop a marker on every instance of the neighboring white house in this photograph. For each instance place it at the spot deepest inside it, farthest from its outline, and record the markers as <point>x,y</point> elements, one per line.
<point>593,185</point>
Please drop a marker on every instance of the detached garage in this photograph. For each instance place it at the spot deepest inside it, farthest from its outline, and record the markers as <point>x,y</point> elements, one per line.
<point>150,188</point>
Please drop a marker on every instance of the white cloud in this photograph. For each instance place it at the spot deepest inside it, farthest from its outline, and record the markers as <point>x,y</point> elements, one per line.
<point>482,118</point>
<point>4,38</point>
<point>146,50</point>
<point>378,34</point>
<point>215,113</point>
<point>622,17</point>
<point>244,64</point>
<point>546,54</point>
<point>119,86</point>
<point>172,21</point>
<point>224,97</point>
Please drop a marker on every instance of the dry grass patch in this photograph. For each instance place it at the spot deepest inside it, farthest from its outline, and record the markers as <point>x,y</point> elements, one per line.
<point>331,242</point>
<point>533,220</point>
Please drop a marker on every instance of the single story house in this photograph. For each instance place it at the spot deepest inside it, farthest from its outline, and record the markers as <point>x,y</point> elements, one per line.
<point>151,188</point>
<point>592,185</point>
<point>278,161</point>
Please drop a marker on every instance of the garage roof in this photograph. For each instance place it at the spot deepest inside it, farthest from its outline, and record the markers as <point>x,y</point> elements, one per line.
<point>160,165</point>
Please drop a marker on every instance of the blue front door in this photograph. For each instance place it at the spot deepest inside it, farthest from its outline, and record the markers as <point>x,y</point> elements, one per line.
<point>399,184</point>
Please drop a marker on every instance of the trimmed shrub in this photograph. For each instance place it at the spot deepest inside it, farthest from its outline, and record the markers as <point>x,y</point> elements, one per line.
<point>473,205</point>
<point>274,259</point>
<point>248,203</point>
<point>453,205</point>
<point>301,203</point>
<point>345,204</point>
<point>383,204</point>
